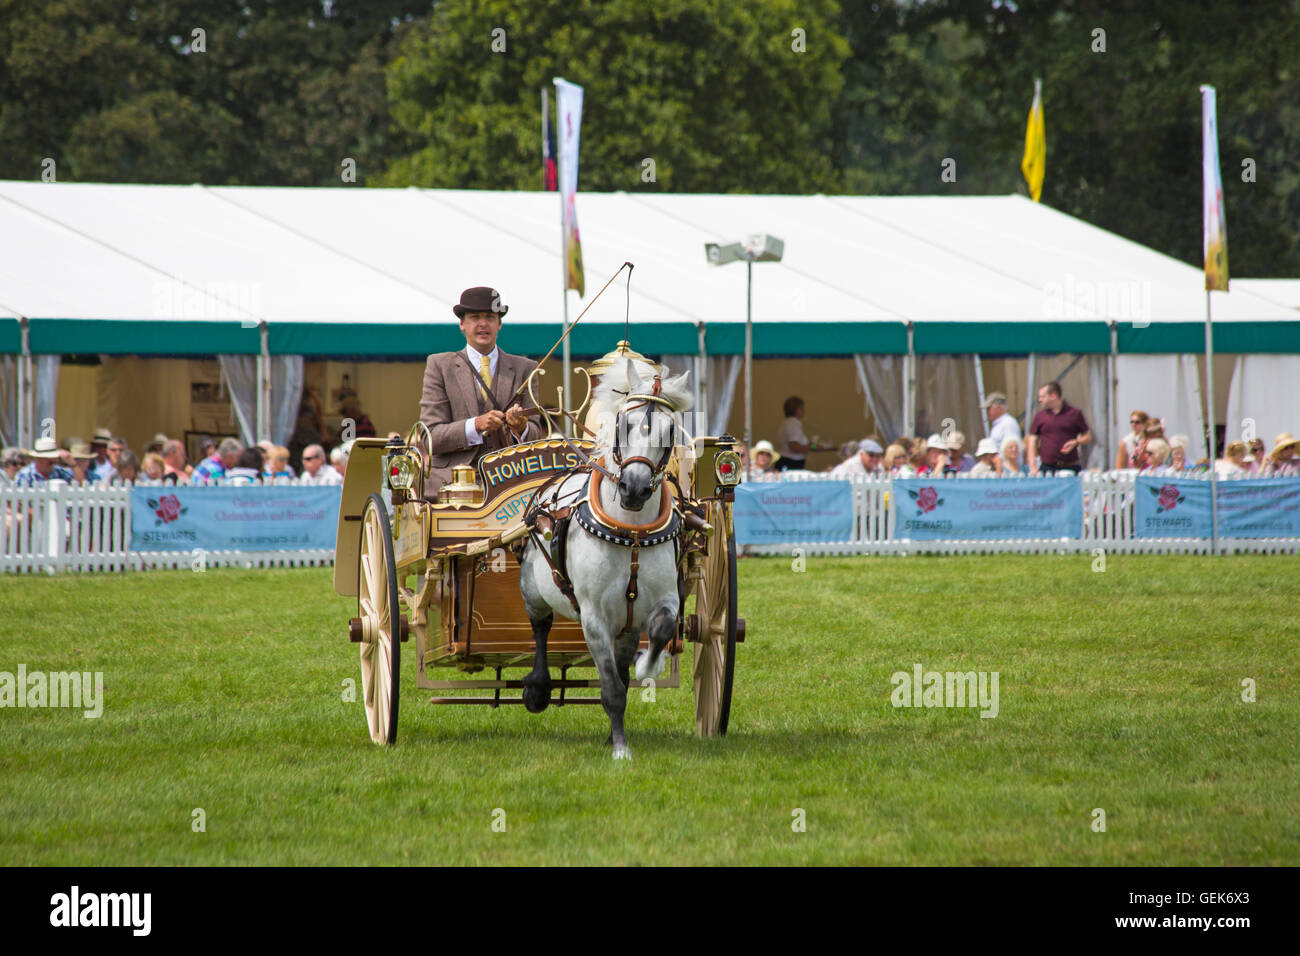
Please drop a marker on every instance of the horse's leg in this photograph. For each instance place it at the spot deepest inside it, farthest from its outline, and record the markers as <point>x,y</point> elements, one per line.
<point>661,625</point>
<point>613,692</point>
<point>537,683</point>
<point>625,653</point>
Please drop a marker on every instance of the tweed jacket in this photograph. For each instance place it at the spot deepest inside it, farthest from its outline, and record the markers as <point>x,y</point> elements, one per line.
<point>451,394</point>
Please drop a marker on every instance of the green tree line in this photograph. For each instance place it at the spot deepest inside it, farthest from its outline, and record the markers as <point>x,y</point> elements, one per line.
<point>769,96</point>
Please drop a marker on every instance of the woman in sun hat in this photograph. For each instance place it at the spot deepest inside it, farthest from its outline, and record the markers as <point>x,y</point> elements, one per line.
<point>1281,462</point>
<point>987,464</point>
<point>764,459</point>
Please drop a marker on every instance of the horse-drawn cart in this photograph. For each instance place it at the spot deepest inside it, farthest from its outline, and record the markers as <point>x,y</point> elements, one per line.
<point>448,572</point>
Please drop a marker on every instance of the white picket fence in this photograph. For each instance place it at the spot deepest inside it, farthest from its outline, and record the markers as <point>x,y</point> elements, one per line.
<point>1108,523</point>
<point>61,527</point>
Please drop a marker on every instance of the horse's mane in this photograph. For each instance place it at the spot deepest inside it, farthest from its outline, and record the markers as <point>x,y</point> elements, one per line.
<point>615,387</point>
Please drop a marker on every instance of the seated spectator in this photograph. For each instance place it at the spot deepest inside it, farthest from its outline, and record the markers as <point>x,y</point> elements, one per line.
<point>959,462</point>
<point>895,458</point>
<point>865,462</point>
<point>848,450</point>
<point>249,468</point>
<point>213,469</point>
<point>1178,446</point>
<point>937,463</point>
<point>1282,462</point>
<point>154,466</point>
<point>339,458</point>
<point>128,468</point>
<point>277,463</point>
<point>315,468</point>
<point>156,444</point>
<point>115,449</point>
<point>917,461</point>
<point>101,467</point>
<point>987,464</point>
<point>765,459</point>
<point>207,447</point>
<point>11,462</point>
<point>44,466</point>
<point>83,458</point>
<point>1157,456</point>
<point>1129,444</point>
<point>1233,462</point>
<point>1255,458</point>
<point>1012,466</point>
<point>173,456</point>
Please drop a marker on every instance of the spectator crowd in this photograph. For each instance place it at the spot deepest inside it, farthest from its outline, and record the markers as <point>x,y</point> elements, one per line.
<point>1052,446</point>
<point>106,460</point>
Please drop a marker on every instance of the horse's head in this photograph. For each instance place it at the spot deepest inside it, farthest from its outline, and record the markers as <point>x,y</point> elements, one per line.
<point>645,431</point>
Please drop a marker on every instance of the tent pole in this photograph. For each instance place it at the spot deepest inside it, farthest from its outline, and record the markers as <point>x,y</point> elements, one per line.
<point>909,384</point>
<point>702,423</point>
<point>1209,405</point>
<point>263,411</point>
<point>25,392</point>
<point>1112,393</point>
<point>1029,397</point>
<point>979,381</point>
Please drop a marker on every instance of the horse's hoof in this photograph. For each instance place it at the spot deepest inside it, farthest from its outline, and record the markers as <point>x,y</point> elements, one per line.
<point>643,665</point>
<point>622,753</point>
<point>537,695</point>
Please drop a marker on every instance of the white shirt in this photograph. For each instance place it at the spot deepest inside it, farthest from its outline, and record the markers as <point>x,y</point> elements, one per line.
<point>325,475</point>
<point>853,466</point>
<point>792,430</point>
<point>476,361</point>
<point>1002,428</point>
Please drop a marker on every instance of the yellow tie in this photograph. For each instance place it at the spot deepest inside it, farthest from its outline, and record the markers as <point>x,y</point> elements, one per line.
<point>486,364</point>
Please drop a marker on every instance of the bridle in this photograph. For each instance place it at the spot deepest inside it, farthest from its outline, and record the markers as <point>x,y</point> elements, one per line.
<point>630,404</point>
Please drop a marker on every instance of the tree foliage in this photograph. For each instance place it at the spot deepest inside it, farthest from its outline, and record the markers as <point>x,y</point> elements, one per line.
<point>717,94</point>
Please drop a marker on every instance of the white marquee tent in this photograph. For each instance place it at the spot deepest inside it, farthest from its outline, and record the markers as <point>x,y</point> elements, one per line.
<point>264,276</point>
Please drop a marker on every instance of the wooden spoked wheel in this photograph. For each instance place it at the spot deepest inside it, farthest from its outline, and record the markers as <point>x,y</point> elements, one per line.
<point>714,663</point>
<point>380,612</point>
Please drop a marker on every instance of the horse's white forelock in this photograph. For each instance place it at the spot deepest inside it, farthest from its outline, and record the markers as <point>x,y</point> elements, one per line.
<point>614,389</point>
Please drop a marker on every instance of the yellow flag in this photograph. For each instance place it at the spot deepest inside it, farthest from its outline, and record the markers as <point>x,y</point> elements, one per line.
<point>1034,164</point>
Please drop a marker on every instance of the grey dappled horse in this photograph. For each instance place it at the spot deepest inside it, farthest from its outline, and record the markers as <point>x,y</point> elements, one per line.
<point>635,443</point>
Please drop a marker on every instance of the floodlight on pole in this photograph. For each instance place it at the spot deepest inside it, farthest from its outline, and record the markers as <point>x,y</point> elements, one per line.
<point>758,247</point>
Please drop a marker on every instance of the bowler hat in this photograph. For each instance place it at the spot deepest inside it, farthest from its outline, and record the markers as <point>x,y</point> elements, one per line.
<point>481,298</point>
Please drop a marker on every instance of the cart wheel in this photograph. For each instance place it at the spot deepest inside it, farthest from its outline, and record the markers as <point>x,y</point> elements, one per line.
<point>715,605</point>
<point>380,611</point>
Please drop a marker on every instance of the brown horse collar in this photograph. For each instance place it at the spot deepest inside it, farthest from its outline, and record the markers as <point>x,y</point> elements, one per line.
<point>660,522</point>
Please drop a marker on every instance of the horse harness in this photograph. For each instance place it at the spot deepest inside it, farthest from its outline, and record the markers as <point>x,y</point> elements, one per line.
<point>549,519</point>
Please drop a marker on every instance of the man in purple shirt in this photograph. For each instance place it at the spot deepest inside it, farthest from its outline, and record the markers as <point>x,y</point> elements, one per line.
<point>1056,434</point>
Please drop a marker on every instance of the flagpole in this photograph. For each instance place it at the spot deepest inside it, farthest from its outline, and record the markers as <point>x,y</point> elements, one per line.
<point>1209,377</point>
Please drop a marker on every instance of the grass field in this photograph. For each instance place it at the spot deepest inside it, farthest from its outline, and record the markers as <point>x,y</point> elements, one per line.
<point>1119,690</point>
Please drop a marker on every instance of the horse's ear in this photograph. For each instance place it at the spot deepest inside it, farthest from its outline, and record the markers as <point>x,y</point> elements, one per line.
<point>679,391</point>
<point>633,379</point>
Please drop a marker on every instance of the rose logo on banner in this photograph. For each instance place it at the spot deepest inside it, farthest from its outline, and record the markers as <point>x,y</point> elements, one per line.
<point>167,508</point>
<point>1167,498</point>
<point>927,499</point>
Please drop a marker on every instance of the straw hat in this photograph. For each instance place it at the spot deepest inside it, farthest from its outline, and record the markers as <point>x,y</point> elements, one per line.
<point>766,446</point>
<point>83,451</point>
<point>45,448</point>
<point>987,446</point>
<point>101,436</point>
<point>1283,440</point>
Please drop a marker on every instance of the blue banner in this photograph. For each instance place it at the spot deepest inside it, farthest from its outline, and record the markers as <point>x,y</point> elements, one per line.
<point>794,511</point>
<point>242,518</point>
<point>1248,508</point>
<point>964,509</point>
<point>1171,507</point>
